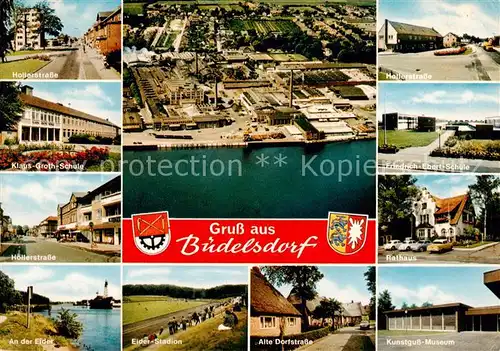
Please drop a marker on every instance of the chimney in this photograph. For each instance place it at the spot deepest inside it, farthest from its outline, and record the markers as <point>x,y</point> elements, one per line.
<point>26,89</point>
<point>291,89</point>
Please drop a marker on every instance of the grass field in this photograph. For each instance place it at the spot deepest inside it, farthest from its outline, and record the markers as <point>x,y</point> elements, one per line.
<point>407,138</point>
<point>15,328</point>
<point>24,52</point>
<point>359,343</point>
<point>206,337</point>
<point>24,66</point>
<point>263,27</point>
<point>139,308</point>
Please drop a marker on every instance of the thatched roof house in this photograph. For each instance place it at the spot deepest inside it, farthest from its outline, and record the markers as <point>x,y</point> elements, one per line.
<point>269,310</point>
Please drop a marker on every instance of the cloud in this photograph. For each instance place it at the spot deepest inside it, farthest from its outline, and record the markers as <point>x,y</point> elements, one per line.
<point>72,286</point>
<point>418,295</point>
<point>443,97</point>
<point>90,91</point>
<point>343,293</point>
<point>134,273</point>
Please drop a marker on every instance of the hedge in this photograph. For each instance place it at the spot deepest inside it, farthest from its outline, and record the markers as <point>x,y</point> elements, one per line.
<point>268,343</point>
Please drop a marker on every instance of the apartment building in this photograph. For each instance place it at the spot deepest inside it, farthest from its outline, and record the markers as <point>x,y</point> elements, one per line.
<point>93,216</point>
<point>26,27</point>
<point>105,34</point>
<point>48,226</point>
<point>47,121</point>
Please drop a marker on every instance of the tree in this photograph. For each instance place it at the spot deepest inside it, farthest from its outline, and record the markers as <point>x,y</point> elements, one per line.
<point>302,278</point>
<point>413,305</point>
<point>384,304</point>
<point>6,11</point>
<point>50,23</point>
<point>370,277</point>
<point>427,304</point>
<point>396,196</point>
<point>327,309</point>
<point>68,325</point>
<point>483,193</point>
<point>8,294</point>
<point>404,306</point>
<point>12,107</point>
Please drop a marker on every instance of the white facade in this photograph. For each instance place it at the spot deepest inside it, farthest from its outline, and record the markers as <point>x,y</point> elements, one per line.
<point>37,125</point>
<point>27,23</point>
<point>392,37</point>
<point>427,225</point>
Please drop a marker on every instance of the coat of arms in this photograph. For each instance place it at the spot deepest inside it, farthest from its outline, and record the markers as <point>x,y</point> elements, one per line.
<point>347,232</point>
<point>151,232</point>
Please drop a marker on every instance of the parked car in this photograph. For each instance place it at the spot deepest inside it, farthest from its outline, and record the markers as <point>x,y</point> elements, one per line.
<point>392,245</point>
<point>406,246</point>
<point>420,245</point>
<point>364,325</point>
<point>439,246</point>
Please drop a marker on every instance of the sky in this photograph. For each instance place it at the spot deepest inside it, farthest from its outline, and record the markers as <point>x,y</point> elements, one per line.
<point>437,285</point>
<point>448,185</point>
<point>202,277</point>
<point>77,16</point>
<point>101,99</point>
<point>450,101</point>
<point>29,198</point>
<point>479,18</point>
<point>344,283</point>
<point>66,282</point>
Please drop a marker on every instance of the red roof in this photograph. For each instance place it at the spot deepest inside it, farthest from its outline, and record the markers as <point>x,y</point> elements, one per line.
<point>451,204</point>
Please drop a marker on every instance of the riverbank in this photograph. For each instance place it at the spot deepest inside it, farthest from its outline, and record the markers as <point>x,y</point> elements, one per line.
<point>174,144</point>
<point>41,336</point>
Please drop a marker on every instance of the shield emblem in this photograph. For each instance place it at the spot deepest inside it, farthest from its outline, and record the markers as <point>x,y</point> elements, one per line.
<point>346,233</point>
<point>151,232</point>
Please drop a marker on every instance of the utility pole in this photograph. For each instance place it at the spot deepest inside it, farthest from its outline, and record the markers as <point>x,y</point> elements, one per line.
<point>30,292</point>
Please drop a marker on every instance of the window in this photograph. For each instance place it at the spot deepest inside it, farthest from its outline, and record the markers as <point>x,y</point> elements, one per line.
<point>292,321</point>
<point>424,206</point>
<point>267,322</point>
<point>451,231</point>
<point>99,213</point>
<point>443,232</point>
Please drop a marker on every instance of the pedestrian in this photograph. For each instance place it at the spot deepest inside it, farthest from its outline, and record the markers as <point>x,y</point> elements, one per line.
<point>184,323</point>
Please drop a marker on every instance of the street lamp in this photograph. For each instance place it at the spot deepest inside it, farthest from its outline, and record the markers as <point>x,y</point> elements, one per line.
<point>406,320</point>
<point>439,136</point>
<point>92,244</point>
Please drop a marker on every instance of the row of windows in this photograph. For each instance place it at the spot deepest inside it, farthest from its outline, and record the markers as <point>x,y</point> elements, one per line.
<point>271,322</point>
<point>37,115</point>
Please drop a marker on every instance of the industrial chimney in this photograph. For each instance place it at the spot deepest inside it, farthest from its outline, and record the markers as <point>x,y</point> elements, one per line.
<point>291,89</point>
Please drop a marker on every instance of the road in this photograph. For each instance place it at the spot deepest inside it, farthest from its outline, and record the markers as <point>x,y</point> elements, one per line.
<point>426,150</point>
<point>489,255</point>
<point>464,341</point>
<point>335,341</point>
<point>37,246</point>
<point>152,325</point>
<point>479,65</point>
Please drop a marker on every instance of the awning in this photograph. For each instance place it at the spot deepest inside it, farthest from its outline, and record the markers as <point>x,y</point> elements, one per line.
<point>107,225</point>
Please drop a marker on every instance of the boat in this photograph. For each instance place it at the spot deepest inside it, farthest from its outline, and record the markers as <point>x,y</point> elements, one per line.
<point>102,302</point>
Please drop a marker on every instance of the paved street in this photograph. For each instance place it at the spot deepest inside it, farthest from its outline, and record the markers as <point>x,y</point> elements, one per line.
<point>336,341</point>
<point>479,65</point>
<point>464,341</point>
<point>64,253</point>
<point>488,255</point>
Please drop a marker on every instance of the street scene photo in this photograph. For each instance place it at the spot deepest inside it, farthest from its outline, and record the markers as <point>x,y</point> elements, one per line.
<point>312,308</point>
<point>181,308</point>
<point>436,127</point>
<point>438,308</point>
<point>63,307</point>
<point>70,39</point>
<point>439,219</point>
<point>69,126</point>
<point>60,218</point>
<point>254,105</point>
<point>445,40</point>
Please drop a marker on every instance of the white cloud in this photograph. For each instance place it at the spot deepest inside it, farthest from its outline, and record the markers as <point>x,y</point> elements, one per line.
<point>343,293</point>
<point>90,91</point>
<point>144,272</point>
<point>418,295</point>
<point>70,287</point>
<point>443,97</point>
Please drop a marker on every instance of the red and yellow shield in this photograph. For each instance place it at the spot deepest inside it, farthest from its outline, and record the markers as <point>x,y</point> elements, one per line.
<point>346,233</point>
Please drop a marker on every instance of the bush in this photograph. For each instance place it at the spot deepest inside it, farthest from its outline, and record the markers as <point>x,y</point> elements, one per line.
<point>388,149</point>
<point>90,139</point>
<point>451,51</point>
<point>11,141</point>
<point>114,59</point>
<point>257,342</point>
<point>67,324</point>
<point>451,142</point>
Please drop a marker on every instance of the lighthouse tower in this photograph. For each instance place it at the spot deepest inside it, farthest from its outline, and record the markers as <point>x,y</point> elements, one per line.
<point>106,288</point>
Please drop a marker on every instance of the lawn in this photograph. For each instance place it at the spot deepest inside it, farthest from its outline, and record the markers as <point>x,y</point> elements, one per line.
<point>15,328</point>
<point>471,246</point>
<point>136,8</point>
<point>359,343</point>
<point>206,337</point>
<point>24,52</point>
<point>24,66</point>
<point>394,333</point>
<point>139,308</point>
<point>407,138</point>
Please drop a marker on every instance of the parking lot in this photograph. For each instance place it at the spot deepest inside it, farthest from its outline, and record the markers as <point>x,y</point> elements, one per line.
<point>464,341</point>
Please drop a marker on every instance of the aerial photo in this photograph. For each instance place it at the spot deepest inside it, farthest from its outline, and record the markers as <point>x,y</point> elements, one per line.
<point>261,85</point>
<point>435,308</point>
<point>451,40</point>
<point>63,307</point>
<point>60,218</point>
<point>312,308</point>
<point>444,128</point>
<point>181,308</point>
<point>70,39</point>
<point>439,219</point>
